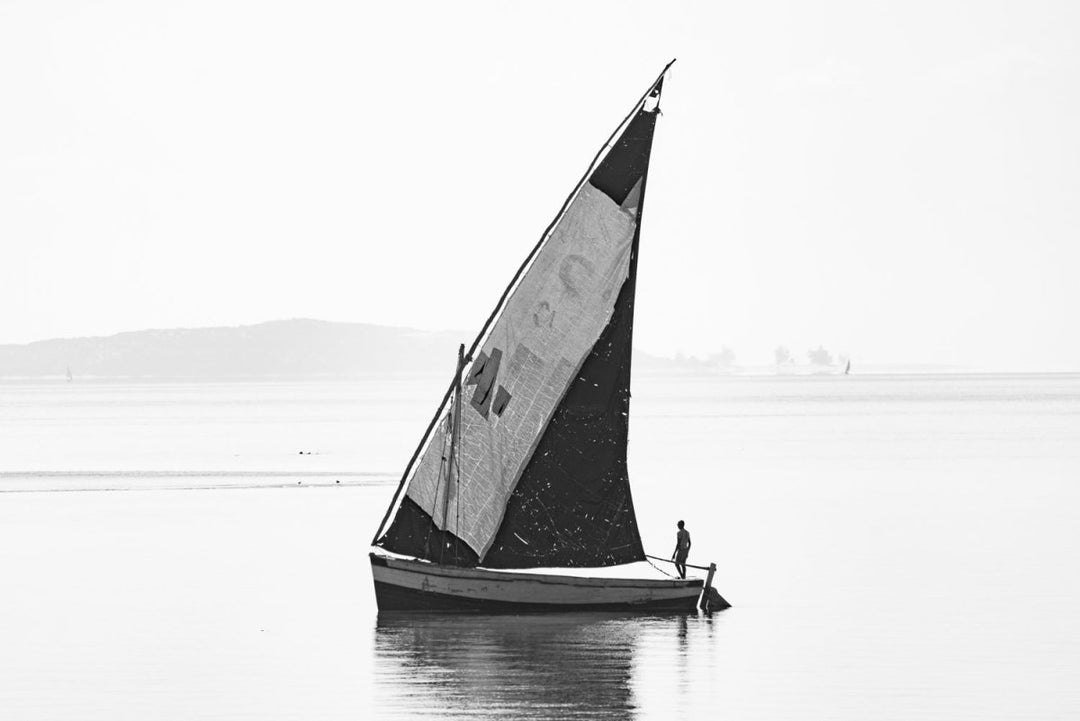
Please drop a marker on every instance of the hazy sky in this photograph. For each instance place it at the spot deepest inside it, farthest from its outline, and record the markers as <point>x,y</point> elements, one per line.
<point>898,181</point>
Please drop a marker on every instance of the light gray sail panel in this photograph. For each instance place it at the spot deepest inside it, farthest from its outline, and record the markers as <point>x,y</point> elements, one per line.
<point>546,329</point>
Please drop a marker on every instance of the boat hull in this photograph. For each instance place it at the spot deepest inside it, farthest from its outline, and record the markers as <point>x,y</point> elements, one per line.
<point>408,585</point>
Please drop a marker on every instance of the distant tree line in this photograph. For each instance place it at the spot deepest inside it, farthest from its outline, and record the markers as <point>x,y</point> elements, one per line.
<point>783,356</point>
<point>817,356</point>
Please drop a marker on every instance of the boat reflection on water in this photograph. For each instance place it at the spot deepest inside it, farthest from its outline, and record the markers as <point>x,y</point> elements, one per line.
<point>565,666</point>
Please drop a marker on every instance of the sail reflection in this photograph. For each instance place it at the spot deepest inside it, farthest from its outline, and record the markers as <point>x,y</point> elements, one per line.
<point>569,666</point>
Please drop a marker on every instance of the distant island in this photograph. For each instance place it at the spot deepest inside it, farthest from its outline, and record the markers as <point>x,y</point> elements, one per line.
<point>300,347</point>
<point>283,348</point>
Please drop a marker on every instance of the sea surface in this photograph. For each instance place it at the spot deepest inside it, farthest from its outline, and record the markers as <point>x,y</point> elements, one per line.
<point>894,547</point>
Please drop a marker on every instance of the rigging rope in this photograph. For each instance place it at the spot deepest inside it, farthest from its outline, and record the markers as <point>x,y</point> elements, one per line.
<point>688,565</point>
<point>658,568</point>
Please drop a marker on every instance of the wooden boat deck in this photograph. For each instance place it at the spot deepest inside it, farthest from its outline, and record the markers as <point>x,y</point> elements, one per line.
<point>407,584</point>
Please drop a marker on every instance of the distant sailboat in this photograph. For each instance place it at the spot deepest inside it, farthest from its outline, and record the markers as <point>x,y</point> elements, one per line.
<point>524,464</point>
<point>847,368</point>
<point>69,377</point>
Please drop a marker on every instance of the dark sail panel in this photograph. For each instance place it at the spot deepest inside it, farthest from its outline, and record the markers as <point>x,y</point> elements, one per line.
<point>413,533</point>
<point>572,505</point>
<point>628,161</point>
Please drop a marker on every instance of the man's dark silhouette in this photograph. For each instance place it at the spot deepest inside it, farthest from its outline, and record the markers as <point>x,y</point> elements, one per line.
<point>682,550</point>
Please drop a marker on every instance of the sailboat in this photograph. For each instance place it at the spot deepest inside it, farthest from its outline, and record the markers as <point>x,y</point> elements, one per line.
<point>518,497</point>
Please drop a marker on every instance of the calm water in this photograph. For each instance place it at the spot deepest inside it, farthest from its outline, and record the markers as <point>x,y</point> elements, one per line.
<point>894,547</point>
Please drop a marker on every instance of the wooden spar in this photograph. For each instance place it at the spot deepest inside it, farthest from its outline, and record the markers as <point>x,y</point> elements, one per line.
<point>704,603</point>
<point>455,439</point>
<point>454,430</point>
<point>506,294</point>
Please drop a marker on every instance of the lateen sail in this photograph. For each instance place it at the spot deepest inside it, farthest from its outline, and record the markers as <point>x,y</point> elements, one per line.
<point>539,476</point>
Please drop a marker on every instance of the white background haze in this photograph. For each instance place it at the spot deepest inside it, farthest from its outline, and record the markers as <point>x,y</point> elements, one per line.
<point>896,181</point>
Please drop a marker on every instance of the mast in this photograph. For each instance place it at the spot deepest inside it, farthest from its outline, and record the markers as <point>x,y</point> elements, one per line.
<point>651,91</point>
<point>454,469</point>
<point>455,430</point>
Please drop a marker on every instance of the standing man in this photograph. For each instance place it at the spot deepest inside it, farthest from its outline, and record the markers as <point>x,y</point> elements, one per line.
<point>682,550</point>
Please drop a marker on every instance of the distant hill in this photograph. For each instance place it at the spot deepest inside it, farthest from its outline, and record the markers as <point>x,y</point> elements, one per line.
<point>277,348</point>
<point>289,348</point>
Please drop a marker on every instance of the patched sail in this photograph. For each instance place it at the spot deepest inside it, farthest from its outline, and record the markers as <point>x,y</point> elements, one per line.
<point>538,476</point>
